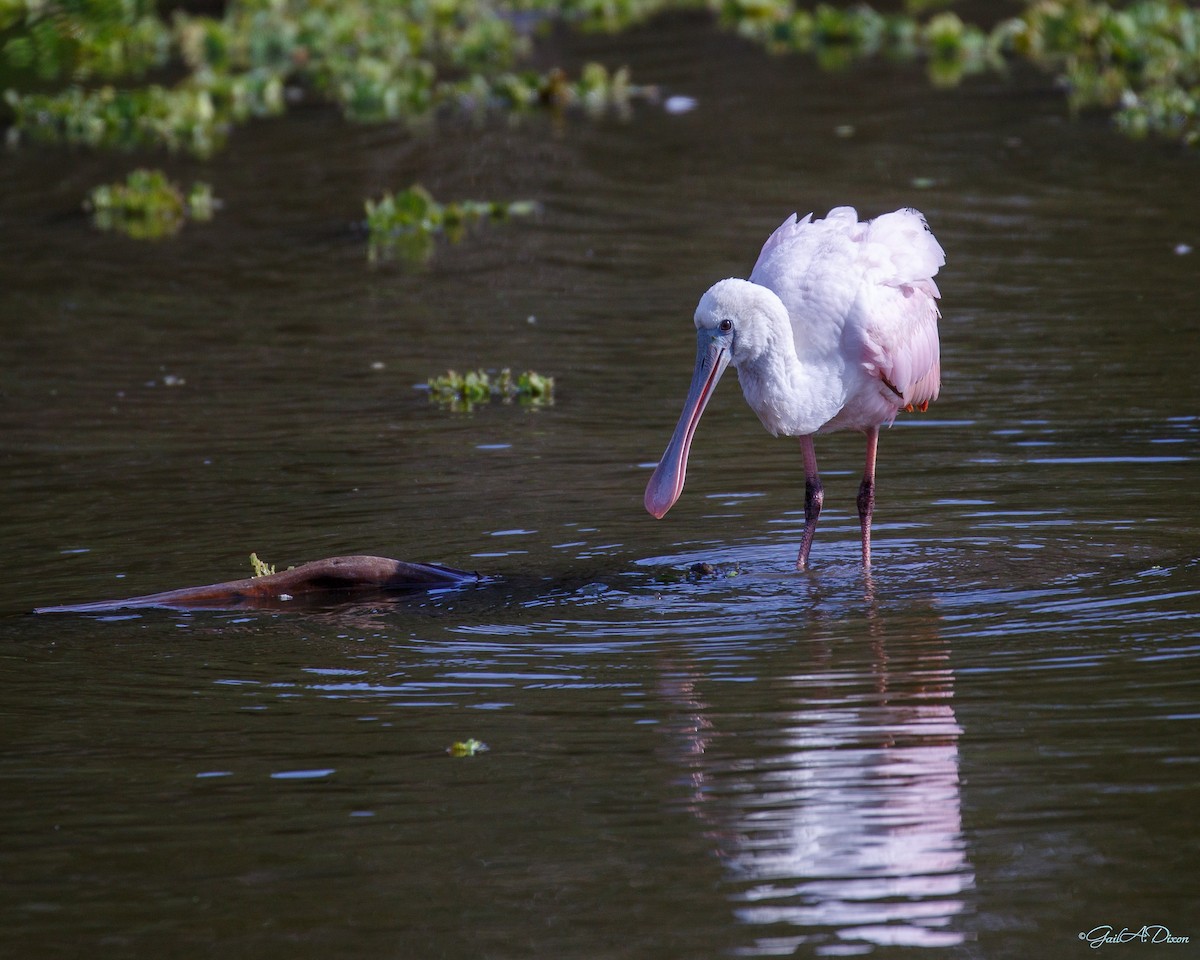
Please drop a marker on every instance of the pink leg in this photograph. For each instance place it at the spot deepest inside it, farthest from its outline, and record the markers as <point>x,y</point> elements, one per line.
<point>866,495</point>
<point>814,496</point>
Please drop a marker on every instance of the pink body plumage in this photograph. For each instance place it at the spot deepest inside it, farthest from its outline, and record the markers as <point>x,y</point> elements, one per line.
<point>835,329</point>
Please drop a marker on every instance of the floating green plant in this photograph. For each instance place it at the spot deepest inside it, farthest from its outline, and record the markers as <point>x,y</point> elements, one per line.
<point>75,69</point>
<point>837,37</point>
<point>379,60</point>
<point>148,206</point>
<point>1141,60</point>
<point>81,40</point>
<point>467,748</point>
<point>597,90</point>
<point>404,223</point>
<point>465,391</point>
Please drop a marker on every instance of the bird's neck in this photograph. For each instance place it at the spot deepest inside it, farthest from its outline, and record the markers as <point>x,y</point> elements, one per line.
<point>793,396</point>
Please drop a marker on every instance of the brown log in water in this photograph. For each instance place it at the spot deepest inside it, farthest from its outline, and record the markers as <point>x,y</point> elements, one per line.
<point>321,578</point>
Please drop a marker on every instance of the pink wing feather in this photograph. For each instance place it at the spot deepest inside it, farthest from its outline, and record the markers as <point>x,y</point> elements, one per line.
<point>862,291</point>
<point>900,331</point>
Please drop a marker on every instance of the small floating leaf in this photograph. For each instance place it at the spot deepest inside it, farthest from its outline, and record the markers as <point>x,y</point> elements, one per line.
<point>534,387</point>
<point>466,748</point>
<point>200,201</point>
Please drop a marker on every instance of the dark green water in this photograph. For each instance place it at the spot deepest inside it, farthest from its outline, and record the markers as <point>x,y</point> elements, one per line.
<point>985,749</point>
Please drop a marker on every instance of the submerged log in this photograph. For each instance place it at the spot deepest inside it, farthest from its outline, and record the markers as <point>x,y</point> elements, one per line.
<point>320,579</point>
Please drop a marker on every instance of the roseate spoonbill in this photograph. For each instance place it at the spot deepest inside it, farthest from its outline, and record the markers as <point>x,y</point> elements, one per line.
<point>836,329</point>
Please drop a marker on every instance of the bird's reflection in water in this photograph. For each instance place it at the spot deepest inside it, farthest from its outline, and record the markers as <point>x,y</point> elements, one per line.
<point>836,806</point>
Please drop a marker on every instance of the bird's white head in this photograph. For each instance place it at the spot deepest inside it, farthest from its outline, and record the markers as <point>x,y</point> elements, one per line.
<point>743,319</point>
<point>737,322</point>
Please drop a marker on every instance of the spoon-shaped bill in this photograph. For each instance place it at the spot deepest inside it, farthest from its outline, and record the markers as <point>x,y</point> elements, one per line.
<point>666,484</point>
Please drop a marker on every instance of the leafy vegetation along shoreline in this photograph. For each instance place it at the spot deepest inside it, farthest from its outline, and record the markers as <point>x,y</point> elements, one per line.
<point>127,74</point>
<point>112,73</point>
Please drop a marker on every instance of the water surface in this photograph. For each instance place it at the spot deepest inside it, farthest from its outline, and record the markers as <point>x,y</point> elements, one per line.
<point>983,749</point>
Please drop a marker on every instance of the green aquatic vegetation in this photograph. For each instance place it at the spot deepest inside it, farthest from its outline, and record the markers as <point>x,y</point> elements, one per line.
<point>75,68</point>
<point>467,748</point>
<point>838,37</point>
<point>378,60</point>
<point>184,118</point>
<point>95,38</point>
<point>531,387</point>
<point>148,206</point>
<point>1141,60</point>
<point>953,49</point>
<point>463,392</point>
<point>599,15</point>
<point>404,224</point>
<point>596,91</point>
<point>260,568</point>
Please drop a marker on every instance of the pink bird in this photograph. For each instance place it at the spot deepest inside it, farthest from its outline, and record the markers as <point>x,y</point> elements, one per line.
<point>836,329</point>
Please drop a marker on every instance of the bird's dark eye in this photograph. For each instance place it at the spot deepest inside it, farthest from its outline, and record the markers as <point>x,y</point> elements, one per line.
<point>725,325</point>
